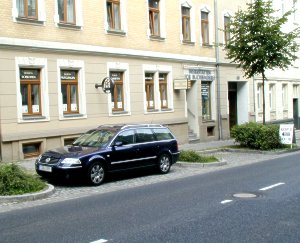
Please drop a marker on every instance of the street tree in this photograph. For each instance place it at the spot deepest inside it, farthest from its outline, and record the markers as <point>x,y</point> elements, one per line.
<point>257,41</point>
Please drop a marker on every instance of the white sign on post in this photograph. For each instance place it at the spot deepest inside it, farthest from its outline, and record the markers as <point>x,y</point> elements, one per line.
<point>286,132</point>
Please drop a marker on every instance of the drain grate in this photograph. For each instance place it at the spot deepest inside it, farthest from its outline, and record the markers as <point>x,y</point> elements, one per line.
<point>245,195</point>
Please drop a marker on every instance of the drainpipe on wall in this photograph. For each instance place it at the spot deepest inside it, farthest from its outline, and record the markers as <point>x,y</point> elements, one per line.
<point>218,70</point>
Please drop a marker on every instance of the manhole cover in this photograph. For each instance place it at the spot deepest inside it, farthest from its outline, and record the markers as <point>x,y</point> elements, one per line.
<point>244,195</point>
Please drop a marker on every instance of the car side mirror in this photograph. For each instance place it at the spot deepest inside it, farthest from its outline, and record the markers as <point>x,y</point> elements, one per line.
<point>118,144</point>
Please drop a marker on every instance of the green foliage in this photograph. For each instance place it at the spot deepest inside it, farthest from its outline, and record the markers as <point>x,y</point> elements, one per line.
<point>193,157</point>
<point>257,136</point>
<point>14,181</point>
<point>257,40</point>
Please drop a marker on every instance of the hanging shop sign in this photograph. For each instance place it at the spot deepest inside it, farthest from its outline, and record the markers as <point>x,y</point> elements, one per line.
<point>180,84</point>
<point>107,85</point>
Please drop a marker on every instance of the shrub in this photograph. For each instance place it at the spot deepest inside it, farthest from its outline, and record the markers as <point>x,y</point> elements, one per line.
<point>14,181</point>
<point>192,156</point>
<point>257,136</point>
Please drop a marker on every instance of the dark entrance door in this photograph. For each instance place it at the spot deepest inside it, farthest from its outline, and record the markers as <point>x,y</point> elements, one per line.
<point>232,98</point>
<point>296,113</point>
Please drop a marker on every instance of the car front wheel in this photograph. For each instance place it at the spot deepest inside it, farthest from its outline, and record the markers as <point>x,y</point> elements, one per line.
<point>164,163</point>
<point>96,174</point>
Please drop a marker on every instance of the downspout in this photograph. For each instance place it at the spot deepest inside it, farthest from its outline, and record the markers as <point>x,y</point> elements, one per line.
<point>218,70</point>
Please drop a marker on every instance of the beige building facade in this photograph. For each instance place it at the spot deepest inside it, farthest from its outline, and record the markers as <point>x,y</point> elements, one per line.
<point>161,56</point>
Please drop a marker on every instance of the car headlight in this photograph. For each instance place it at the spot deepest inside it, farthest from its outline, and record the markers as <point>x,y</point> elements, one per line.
<point>70,161</point>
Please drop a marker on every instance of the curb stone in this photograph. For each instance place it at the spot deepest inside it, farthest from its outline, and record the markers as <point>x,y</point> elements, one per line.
<point>211,164</point>
<point>29,196</point>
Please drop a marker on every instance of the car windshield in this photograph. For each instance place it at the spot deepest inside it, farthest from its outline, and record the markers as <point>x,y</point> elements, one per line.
<point>94,138</point>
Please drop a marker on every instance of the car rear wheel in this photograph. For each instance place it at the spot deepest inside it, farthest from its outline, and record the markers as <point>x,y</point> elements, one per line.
<point>96,174</point>
<point>164,163</point>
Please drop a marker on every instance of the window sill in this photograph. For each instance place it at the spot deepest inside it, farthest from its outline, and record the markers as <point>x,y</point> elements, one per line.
<point>152,110</point>
<point>208,120</point>
<point>188,42</point>
<point>69,26</point>
<point>118,113</point>
<point>72,115</point>
<point>207,46</point>
<point>116,32</point>
<point>33,118</point>
<point>29,21</point>
<point>157,38</point>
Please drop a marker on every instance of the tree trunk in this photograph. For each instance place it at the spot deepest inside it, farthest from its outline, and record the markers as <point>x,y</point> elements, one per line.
<point>264,105</point>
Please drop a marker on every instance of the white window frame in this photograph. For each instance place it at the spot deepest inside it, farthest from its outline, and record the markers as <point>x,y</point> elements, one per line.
<point>124,68</point>
<point>188,4</point>
<point>259,96</point>
<point>156,69</point>
<point>272,96</point>
<point>78,14</point>
<point>123,13</point>
<point>162,19</point>
<point>285,96</point>
<point>63,64</point>
<point>39,63</point>
<point>41,11</point>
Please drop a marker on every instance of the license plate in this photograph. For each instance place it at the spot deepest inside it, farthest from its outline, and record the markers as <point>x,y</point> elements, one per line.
<point>45,168</point>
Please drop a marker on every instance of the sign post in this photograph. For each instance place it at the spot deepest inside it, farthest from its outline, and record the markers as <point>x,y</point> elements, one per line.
<point>286,132</point>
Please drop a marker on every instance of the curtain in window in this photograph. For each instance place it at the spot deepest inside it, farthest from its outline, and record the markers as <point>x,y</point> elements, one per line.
<point>70,11</point>
<point>20,7</point>
<point>31,8</point>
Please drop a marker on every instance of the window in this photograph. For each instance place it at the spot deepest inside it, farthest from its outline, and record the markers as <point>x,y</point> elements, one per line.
<point>30,91</point>
<point>204,28</point>
<point>27,9</point>
<point>149,89</point>
<point>163,90</point>
<point>154,17</point>
<point>113,14</point>
<point>206,100</point>
<point>69,90</point>
<point>272,97</point>
<point>285,96</point>
<point>186,23</point>
<point>226,29</point>
<point>126,137</point>
<point>259,94</point>
<point>117,97</point>
<point>31,150</point>
<point>66,11</point>
<point>162,134</point>
<point>144,135</point>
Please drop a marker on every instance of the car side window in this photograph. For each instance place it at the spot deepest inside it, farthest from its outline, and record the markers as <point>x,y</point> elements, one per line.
<point>144,135</point>
<point>162,134</point>
<point>126,137</point>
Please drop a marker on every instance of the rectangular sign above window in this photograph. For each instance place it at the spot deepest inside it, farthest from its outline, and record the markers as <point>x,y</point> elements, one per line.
<point>180,84</point>
<point>67,75</point>
<point>29,74</point>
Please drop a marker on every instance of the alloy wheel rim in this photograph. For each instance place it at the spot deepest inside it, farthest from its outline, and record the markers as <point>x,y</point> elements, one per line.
<point>164,163</point>
<point>97,174</point>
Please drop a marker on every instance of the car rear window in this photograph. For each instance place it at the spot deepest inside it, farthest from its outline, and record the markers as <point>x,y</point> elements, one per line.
<point>162,134</point>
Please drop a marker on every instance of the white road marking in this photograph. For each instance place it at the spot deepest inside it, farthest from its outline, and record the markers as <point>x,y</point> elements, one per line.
<point>226,201</point>
<point>272,186</point>
<point>99,241</point>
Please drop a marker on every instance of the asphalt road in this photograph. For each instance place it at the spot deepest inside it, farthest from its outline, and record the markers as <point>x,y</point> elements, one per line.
<point>252,203</point>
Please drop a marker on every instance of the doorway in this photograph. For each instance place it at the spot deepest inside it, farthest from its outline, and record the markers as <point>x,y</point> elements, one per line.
<point>296,113</point>
<point>232,100</point>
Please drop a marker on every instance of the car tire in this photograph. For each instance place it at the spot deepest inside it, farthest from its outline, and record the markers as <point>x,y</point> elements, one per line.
<point>96,174</point>
<point>164,163</point>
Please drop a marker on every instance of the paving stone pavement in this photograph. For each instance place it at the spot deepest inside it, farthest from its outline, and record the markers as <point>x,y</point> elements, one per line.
<point>179,170</point>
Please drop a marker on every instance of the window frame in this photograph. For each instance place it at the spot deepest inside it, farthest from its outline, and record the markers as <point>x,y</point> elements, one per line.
<point>148,85</point>
<point>65,8</point>
<point>25,5</point>
<point>259,96</point>
<point>112,23</point>
<point>114,95</point>
<point>68,83</point>
<point>163,83</point>
<point>272,94</point>
<point>205,27</point>
<point>285,96</point>
<point>227,36</point>
<point>29,83</point>
<point>152,12</point>
<point>184,17</point>
<point>208,115</point>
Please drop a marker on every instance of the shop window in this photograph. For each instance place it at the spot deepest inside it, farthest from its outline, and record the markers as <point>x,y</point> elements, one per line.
<point>27,9</point>
<point>163,90</point>
<point>69,90</point>
<point>117,96</point>
<point>206,100</point>
<point>204,27</point>
<point>113,14</point>
<point>154,17</point>
<point>30,87</point>
<point>149,89</point>
<point>31,150</point>
<point>66,11</point>
<point>186,23</point>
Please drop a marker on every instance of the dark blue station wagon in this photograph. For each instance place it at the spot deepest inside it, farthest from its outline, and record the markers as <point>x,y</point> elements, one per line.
<point>111,148</point>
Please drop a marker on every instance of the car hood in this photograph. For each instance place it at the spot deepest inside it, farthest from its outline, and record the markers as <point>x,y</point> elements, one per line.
<point>71,151</point>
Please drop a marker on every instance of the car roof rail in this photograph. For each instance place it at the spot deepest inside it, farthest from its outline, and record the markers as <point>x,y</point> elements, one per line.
<point>141,125</point>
